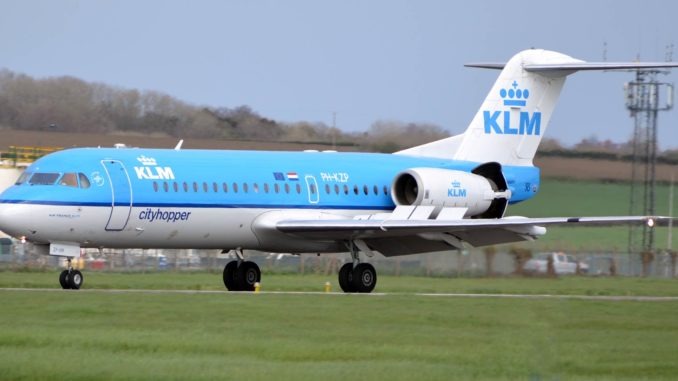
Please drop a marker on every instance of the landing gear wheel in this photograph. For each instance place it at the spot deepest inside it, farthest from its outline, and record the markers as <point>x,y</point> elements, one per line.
<point>248,274</point>
<point>346,277</point>
<point>75,280</point>
<point>364,278</point>
<point>230,271</point>
<point>63,280</point>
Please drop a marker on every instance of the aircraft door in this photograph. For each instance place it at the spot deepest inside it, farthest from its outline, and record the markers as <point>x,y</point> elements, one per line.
<point>121,195</point>
<point>313,191</point>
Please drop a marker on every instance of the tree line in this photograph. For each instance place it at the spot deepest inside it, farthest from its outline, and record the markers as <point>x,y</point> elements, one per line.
<point>70,104</point>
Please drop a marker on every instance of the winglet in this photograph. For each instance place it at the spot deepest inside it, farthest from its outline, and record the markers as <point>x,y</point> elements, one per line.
<point>178,146</point>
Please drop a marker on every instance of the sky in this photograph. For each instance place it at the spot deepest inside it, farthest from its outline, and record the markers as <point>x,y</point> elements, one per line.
<point>303,60</point>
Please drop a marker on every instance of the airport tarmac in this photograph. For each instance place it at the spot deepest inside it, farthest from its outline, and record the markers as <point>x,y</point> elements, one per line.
<point>619,298</point>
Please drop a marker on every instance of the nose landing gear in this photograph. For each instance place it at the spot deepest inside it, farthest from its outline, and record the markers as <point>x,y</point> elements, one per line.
<point>71,279</point>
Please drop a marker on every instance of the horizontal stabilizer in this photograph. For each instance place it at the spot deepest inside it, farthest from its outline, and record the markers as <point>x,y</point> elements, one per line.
<point>579,66</point>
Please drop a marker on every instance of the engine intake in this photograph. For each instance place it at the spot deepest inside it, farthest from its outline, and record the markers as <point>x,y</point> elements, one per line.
<point>483,192</point>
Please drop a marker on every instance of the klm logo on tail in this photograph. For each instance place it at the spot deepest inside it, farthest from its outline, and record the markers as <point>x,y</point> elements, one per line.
<point>499,122</point>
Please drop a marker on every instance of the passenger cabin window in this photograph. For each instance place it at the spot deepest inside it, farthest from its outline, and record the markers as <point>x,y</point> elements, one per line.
<point>225,186</point>
<point>69,180</point>
<point>84,181</point>
<point>298,188</point>
<point>266,189</point>
<point>215,187</point>
<point>175,186</point>
<point>155,186</point>
<point>185,186</point>
<point>43,178</point>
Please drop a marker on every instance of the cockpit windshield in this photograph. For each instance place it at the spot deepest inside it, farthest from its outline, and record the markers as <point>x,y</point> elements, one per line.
<point>22,178</point>
<point>43,178</point>
<point>70,179</point>
<point>84,181</point>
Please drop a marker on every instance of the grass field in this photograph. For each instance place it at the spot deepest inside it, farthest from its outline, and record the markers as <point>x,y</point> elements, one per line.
<point>585,198</point>
<point>91,335</point>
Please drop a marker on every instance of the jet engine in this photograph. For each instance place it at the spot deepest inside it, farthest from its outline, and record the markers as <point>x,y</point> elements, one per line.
<point>483,191</point>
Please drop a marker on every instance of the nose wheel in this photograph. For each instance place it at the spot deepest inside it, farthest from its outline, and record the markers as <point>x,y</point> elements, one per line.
<point>71,279</point>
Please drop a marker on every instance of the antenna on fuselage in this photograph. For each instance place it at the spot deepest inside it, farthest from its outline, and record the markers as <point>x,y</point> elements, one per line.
<point>178,147</point>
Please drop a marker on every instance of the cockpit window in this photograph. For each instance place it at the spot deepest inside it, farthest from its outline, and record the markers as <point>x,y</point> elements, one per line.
<point>84,181</point>
<point>69,180</point>
<point>22,179</point>
<point>43,178</point>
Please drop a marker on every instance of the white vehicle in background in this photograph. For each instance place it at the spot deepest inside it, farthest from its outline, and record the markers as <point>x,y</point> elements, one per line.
<point>562,264</point>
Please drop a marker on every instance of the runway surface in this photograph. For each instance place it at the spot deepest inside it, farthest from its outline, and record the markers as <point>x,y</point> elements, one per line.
<point>619,298</point>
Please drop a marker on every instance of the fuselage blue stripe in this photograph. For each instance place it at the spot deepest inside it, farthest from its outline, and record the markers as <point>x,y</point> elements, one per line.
<point>190,205</point>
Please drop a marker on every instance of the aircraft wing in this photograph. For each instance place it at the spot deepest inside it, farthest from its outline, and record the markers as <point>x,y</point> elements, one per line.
<point>400,237</point>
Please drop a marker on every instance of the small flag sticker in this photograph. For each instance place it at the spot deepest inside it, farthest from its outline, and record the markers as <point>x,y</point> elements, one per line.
<point>279,176</point>
<point>292,176</point>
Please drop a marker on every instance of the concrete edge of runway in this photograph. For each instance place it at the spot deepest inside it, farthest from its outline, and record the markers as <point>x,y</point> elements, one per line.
<point>620,298</point>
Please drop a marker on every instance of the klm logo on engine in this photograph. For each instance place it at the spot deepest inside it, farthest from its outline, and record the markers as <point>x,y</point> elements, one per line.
<point>151,171</point>
<point>510,122</point>
<point>456,190</point>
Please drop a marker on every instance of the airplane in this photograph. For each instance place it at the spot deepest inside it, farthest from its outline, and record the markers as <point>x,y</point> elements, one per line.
<point>434,197</point>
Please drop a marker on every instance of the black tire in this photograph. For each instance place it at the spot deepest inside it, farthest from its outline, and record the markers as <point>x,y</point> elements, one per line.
<point>346,277</point>
<point>248,275</point>
<point>230,271</point>
<point>75,279</point>
<point>364,278</point>
<point>63,280</point>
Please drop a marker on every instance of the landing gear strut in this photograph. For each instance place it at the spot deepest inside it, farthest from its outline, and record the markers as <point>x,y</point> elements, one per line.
<point>356,276</point>
<point>241,275</point>
<point>71,279</point>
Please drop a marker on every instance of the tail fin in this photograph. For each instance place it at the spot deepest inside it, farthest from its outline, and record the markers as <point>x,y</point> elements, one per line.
<point>515,114</point>
<point>513,118</point>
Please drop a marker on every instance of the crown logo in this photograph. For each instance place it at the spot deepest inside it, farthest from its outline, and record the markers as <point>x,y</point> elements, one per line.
<point>516,96</point>
<point>456,184</point>
<point>146,160</point>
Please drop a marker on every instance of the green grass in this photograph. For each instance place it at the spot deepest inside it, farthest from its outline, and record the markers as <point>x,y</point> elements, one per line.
<point>391,284</point>
<point>581,198</point>
<point>91,335</point>
<point>94,336</point>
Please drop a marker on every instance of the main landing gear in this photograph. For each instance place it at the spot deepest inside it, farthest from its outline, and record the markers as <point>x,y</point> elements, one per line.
<point>71,279</point>
<point>241,275</point>
<point>354,277</point>
<point>357,277</point>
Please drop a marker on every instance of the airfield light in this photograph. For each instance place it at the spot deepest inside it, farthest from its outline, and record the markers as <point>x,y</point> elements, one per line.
<point>650,222</point>
<point>23,239</point>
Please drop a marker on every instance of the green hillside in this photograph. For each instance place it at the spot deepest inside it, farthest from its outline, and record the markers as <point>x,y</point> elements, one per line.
<point>578,198</point>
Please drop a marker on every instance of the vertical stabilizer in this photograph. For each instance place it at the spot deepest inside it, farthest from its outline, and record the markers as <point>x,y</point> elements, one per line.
<point>514,116</point>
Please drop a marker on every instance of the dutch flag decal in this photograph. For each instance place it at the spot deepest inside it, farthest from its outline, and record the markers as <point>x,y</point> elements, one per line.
<point>292,176</point>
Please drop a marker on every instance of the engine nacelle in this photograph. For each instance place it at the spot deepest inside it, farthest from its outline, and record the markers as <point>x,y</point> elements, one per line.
<point>443,187</point>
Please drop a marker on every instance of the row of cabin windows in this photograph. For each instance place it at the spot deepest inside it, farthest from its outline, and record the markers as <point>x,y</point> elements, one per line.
<point>266,188</point>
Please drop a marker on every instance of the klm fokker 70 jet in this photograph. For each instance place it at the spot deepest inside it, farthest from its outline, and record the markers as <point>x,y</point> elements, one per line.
<point>434,197</point>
